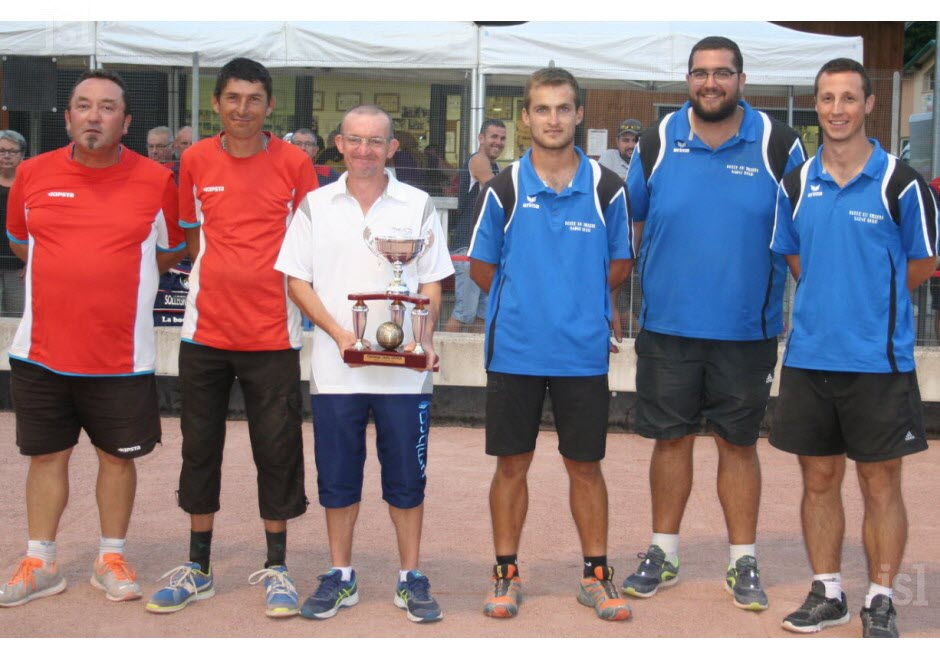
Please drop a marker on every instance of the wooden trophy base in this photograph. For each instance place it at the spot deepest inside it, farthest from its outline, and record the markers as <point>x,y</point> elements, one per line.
<point>386,359</point>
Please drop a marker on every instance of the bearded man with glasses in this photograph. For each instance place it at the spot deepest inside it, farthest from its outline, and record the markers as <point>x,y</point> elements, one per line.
<point>702,186</point>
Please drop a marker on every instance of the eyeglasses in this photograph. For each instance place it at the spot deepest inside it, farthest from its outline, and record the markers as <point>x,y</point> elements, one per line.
<point>157,146</point>
<point>699,76</point>
<point>10,152</point>
<point>371,142</point>
<point>304,145</point>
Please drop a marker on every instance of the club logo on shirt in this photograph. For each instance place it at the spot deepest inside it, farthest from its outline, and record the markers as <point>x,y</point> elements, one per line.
<point>866,217</point>
<point>741,170</point>
<point>680,147</point>
<point>578,225</point>
<point>530,203</point>
<point>212,189</point>
<point>56,193</point>
<point>814,191</point>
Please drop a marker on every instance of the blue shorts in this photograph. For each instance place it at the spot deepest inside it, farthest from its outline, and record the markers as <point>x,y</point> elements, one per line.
<point>469,301</point>
<point>339,444</point>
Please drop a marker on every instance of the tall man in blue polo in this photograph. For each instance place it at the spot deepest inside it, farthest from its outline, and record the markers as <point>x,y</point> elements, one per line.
<point>858,228</point>
<point>551,240</point>
<point>702,186</point>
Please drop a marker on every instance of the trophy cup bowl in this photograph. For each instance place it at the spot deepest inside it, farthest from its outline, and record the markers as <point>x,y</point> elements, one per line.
<point>399,252</point>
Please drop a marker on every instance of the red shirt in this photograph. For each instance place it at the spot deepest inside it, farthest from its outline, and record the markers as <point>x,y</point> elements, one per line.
<point>242,206</point>
<point>91,277</point>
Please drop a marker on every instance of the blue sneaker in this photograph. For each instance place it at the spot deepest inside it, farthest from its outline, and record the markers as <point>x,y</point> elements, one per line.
<point>653,572</point>
<point>414,596</point>
<point>332,594</point>
<point>280,594</point>
<point>187,583</point>
<point>743,582</point>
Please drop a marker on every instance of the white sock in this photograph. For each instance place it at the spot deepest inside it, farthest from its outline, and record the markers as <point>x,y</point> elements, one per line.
<point>346,571</point>
<point>832,582</point>
<point>669,544</point>
<point>45,550</point>
<point>113,546</point>
<point>877,590</point>
<point>403,574</point>
<point>738,551</point>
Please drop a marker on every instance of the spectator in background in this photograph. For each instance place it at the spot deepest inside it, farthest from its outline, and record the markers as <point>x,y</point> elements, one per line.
<point>12,150</point>
<point>440,173</point>
<point>160,144</point>
<point>310,142</point>
<point>618,159</point>
<point>330,155</point>
<point>470,303</point>
<point>408,162</point>
<point>182,141</point>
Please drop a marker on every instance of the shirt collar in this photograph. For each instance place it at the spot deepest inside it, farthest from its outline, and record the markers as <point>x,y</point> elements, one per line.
<point>873,168</point>
<point>395,189</point>
<point>682,127</point>
<point>582,182</point>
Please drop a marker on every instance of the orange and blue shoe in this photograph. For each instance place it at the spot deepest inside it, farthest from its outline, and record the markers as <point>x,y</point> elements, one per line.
<point>115,578</point>
<point>599,592</point>
<point>503,602</point>
<point>33,579</point>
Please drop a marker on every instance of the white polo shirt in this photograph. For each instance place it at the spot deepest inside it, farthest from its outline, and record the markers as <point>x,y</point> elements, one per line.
<point>325,246</point>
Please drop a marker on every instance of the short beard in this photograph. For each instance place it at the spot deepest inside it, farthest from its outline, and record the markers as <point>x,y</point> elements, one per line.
<point>723,112</point>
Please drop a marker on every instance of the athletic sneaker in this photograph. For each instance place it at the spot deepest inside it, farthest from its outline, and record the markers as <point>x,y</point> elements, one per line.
<point>653,572</point>
<point>743,582</point>
<point>880,620</point>
<point>33,579</point>
<point>187,584</point>
<point>817,612</point>
<point>503,602</point>
<point>332,594</point>
<point>280,594</point>
<point>414,596</point>
<point>600,593</point>
<point>115,577</point>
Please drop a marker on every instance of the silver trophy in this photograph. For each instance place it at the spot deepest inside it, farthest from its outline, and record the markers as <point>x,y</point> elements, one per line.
<point>399,251</point>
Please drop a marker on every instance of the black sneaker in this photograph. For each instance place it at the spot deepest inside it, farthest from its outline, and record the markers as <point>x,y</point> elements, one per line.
<point>743,582</point>
<point>652,573</point>
<point>880,620</point>
<point>817,612</point>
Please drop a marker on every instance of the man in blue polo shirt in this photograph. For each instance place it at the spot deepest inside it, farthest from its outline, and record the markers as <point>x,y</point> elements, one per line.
<point>858,228</point>
<point>551,240</point>
<point>702,187</point>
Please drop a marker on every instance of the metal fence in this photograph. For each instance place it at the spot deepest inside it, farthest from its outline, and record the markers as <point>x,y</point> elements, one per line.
<point>433,112</point>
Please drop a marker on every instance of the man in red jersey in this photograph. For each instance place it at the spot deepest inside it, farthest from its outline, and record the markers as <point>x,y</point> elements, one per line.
<point>86,362</point>
<point>238,191</point>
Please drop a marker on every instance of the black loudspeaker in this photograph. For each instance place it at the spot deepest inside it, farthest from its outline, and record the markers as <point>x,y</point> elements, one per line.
<point>29,84</point>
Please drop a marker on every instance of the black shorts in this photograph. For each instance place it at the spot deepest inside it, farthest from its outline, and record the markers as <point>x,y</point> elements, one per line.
<point>514,409</point>
<point>119,413</point>
<point>869,417</point>
<point>680,380</point>
<point>270,382</point>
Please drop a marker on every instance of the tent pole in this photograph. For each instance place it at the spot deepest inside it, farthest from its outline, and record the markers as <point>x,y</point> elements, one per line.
<point>790,106</point>
<point>896,113</point>
<point>936,105</point>
<point>477,90</point>
<point>194,119</point>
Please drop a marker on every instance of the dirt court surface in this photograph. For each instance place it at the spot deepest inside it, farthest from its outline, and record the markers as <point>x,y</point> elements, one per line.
<point>457,549</point>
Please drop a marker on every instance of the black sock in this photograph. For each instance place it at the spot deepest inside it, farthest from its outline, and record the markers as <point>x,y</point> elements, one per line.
<point>509,559</point>
<point>277,548</point>
<point>200,546</point>
<point>590,563</point>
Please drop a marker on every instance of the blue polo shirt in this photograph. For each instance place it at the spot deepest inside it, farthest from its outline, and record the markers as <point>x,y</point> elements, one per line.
<point>707,271</point>
<point>549,303</point>
<point>852,310</point>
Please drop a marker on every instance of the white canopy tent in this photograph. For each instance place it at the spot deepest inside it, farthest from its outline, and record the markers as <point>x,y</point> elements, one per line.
<point>598,53</point>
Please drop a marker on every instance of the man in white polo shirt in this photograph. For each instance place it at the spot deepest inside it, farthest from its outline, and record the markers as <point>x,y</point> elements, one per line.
<point>325,257</point>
